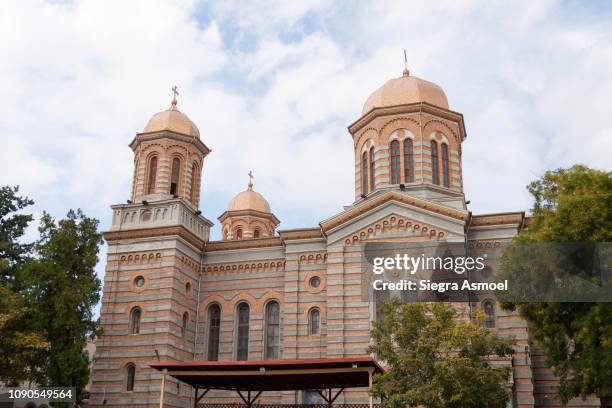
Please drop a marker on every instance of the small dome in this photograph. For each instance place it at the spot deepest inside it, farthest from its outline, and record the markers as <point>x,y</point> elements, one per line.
<point>249,200</point>
<point>173,120</point>
<point>404,90</point>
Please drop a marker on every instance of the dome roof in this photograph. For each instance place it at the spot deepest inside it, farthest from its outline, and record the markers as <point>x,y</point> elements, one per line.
<point>249,200</point>
<point>404,90</point>
<point>173,120</point>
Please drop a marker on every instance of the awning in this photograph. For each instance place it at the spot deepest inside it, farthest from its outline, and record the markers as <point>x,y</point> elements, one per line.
<point>273,375</point>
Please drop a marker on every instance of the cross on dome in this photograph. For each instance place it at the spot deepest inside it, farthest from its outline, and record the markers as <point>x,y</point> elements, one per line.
<point>176,93</point>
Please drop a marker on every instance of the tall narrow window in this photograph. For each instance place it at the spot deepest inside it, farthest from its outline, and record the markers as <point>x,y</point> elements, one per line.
<point>314,322</point>
<point>256,233</point>
<point>135,320</point>
<point>435,169</point>
<point>130,375</point>
<point>395,162</point>
<point>364,173</point>
<point>408,161</point>
<point>214,323</point>
<point>239,233</point>
<point>185,323</point>
<point>174,176</point>
<point>372,179</point>
<point>272,334</point>
<point>488,307</point>
<point>194,182</point>
<point>242,337</point>
<point>445,169</point>
<point>152,175</point>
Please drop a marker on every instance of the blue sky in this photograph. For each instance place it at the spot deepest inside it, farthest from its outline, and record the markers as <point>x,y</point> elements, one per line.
<point>272,86</point>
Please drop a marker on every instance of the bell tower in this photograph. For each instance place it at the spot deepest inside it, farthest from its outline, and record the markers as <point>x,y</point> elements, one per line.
<point>155,251</point>
<point>408,139</point>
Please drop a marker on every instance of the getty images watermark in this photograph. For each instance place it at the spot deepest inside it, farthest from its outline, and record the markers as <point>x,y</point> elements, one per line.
<point>465,272</point>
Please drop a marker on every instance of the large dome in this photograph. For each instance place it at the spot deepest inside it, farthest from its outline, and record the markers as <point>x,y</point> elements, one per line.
<point>249,200</point>
<point>404,90</point>
<point>173,120</point>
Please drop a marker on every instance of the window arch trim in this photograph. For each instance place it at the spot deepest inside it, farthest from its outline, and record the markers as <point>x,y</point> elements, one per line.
<point>214,330</point>
<point>130,376</point>
<point>272,331</point>
<point>152,168</point>
<point>314,321</point>
<point>242,327</point>
<point>135,320</point>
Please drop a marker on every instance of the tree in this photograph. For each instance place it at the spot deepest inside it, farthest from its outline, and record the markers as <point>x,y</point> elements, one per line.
<point>12,227</point>
<point>571,206</point>
<point>437,360</point>
<point>63,285</point>
<point>19,343</point>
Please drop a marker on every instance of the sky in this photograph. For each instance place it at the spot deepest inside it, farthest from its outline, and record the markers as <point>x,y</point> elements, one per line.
<point>273,85</point>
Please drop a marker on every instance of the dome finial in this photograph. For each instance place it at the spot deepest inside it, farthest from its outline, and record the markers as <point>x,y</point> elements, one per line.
<point>406,72</point>
<point>175,92</point>
<point>250,179</point>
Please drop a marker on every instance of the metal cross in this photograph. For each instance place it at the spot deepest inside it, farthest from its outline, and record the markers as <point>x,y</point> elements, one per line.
<point>250,178</point>
<point>175,92</point>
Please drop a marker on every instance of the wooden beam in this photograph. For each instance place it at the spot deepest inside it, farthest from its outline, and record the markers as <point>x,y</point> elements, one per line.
<point>163,385</point>
<point>273,372</point>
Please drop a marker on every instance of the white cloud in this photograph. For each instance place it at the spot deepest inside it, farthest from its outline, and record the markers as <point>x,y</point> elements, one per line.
<point>272,86</point>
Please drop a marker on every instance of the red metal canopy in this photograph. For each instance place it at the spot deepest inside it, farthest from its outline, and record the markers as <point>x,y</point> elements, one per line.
<point>273,375</point>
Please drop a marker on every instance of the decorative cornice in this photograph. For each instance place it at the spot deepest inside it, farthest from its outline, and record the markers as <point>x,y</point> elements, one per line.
<point>498,219</point>
<point>243,244</point>
<point>178,230</point>
<point>148,136</point>
<point>484,244</point>
<point>244,267</point>
<point>409,108</point>
<point>301,233</point>
<point>252,213</point>
<point>140,258</point>
<point>313,258</point>
<point>376,201</point>
<point>395,223</point>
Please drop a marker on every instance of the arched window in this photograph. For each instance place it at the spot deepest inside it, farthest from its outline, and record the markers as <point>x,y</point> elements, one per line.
<point>239,233</point>
<point>130,374</point>
<point>185,323</point>
<point>174,176</point>
<point>314,322</point>
<point>445,169</point>
<point>272,333</point>
<point>214,324</point>
<point>194,182</point>
<point>408,161</point>
<point>395,162</point>
<point>435,169</point>
<point>135,320</point>
<point>256,233</point>
<point>364,173</point>
<point>152,175</point>
<point>488,307</point>
<point>372,179</point>
<point>242,337</point>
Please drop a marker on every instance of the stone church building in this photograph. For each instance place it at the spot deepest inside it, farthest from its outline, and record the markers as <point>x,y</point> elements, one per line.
<point>260,293</point>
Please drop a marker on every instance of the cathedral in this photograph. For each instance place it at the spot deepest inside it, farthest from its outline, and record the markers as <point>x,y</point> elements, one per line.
<point>263,293</point>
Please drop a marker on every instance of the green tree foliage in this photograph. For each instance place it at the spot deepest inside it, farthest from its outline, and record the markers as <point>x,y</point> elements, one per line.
<point>437,360</point>
<point>12,227</point>
<point>48,291</point>
<point>19,343</point>
<point>62,282</point>
<point>571,206</point>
